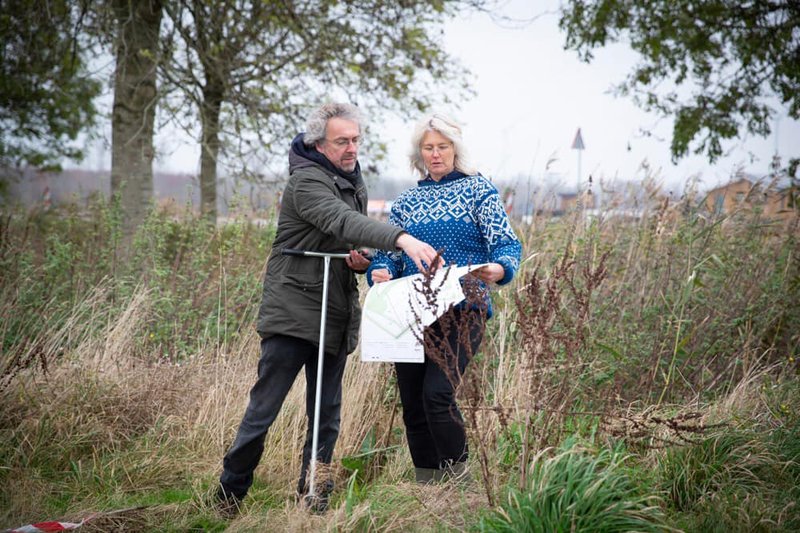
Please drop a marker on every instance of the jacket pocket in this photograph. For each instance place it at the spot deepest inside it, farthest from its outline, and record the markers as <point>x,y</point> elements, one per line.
<point>302,281</point>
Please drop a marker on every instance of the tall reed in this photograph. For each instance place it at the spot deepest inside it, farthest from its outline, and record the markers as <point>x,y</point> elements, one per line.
<point>121,382</point>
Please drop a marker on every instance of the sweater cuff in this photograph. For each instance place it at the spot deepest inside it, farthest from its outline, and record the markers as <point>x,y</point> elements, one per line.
<point>508,270</point>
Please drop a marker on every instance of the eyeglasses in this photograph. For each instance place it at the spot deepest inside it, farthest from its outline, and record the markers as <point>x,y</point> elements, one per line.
<point>343,142</point>
<point>429,148</point>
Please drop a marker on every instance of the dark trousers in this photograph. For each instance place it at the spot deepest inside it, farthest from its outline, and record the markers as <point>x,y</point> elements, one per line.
<point>434,425</point>
<point>281,360</point>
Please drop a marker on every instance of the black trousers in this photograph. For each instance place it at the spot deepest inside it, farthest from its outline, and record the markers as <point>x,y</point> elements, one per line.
<point>434,425</point>
<point>282,358</point>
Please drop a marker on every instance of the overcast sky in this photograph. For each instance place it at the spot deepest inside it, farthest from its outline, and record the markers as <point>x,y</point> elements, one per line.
<point>532,96</point>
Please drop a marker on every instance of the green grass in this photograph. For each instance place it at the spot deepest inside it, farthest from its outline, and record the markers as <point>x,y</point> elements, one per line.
<point>744,478</point>
<point>576,489</point>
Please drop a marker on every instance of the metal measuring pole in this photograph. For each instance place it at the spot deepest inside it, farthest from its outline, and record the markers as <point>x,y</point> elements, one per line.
<point>320,355</point>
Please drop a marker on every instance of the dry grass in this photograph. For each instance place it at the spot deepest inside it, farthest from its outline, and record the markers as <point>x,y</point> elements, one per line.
<point>102,420</point>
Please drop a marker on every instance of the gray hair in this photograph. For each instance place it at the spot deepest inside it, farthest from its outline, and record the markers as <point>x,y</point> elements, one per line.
<point>317,122</point>
<point>449,128</point>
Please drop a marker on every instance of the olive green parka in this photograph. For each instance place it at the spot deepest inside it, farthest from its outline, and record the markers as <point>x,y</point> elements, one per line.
<point>321,211</point>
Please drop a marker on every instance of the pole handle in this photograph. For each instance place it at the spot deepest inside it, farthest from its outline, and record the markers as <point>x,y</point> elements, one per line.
<point>308,253</point>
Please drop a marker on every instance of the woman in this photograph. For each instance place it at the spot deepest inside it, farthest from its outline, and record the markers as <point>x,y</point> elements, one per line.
<point>458,212</point>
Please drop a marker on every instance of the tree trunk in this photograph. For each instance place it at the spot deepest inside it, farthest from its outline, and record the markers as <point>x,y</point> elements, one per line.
<point>133,115</point>
<point>213,94</point>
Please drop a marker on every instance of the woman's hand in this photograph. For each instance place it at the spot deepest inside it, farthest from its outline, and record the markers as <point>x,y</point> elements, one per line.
<point>380,275</point>
<point>491,273</point>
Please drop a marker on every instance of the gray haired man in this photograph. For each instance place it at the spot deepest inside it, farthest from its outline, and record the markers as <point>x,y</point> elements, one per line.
<point>323,209</point>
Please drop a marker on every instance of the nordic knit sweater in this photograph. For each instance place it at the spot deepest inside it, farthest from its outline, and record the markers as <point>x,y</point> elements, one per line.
<point>460,215</point>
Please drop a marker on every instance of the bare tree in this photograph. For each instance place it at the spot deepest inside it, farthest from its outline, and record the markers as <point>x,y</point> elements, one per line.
<point>251,68</point>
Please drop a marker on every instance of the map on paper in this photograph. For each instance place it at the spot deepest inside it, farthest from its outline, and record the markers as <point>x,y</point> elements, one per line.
<point>395,313</point>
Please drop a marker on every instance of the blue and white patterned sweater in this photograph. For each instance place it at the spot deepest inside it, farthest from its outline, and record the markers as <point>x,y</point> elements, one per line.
<point>460,215</point>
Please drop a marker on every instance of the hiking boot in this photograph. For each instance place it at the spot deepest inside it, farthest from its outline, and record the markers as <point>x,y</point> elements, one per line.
<point>317,503</point>
<point>226,503</point>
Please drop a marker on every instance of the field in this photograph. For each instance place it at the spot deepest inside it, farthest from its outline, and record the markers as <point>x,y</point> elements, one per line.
<point>639,374</point>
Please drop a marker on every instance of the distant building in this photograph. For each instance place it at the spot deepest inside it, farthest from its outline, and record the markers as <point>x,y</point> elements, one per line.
<point>746,193</point>
<point>569,201</point>
<point>379,209</point>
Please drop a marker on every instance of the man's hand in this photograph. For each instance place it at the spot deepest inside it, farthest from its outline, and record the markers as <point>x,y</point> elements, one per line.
<point>357,261</point>
<point>379,275</point>
<point>491,273</point>
<point>423,254</point>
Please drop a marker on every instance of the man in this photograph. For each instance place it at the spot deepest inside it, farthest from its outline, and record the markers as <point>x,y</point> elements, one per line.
<point>323,209</point>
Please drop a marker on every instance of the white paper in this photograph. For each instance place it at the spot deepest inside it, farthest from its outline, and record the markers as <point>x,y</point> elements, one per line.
<point>395,313</point>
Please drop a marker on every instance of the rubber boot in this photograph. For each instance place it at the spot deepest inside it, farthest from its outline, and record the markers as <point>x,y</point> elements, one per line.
<point>457,473</point>
<point>426,476</point>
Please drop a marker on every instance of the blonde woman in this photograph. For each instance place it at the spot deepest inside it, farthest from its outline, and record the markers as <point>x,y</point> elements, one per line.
<point>460,213</point>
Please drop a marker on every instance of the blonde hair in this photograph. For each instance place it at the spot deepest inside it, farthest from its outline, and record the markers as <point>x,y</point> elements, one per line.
<point>449,128</point>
